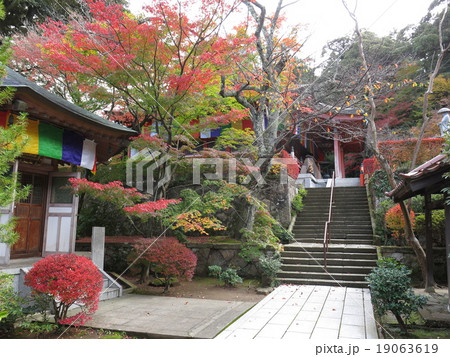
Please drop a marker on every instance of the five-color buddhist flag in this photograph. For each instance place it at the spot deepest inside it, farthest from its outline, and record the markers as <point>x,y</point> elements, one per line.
<point>50,141</point>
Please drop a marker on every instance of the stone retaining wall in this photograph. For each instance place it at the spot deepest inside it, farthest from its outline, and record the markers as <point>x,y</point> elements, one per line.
<point>406,256</point>
<point>225,255</point>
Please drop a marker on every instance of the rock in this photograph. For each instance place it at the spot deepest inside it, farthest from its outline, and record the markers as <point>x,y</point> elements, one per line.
<point>264,291</point>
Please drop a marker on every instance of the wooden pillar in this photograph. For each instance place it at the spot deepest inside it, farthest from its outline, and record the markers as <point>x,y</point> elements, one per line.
<point>447,244</point>
<point>338,168</point>
<point>341,155</point>
<point>429,284</point>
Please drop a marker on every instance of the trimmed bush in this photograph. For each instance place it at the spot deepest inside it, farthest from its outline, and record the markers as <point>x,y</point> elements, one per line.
<point>390,285</point>
<point>270,267</point>
<point>69,279</point>
<point>229,276</point>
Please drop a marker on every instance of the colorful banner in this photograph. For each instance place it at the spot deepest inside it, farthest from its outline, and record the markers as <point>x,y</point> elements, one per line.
<point>48,140</point>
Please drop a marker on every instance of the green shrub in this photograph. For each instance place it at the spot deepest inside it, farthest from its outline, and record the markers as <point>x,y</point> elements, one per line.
<point>380,224</point>
<point>380,183</point>
<point>229,276</point>
<point>270,267</point>
<point>390,285</point>
<point>438,226</point>
<point>37,327</point>
<point>10,303</point>
<point>214,271</point>
<point>282,234</point>
<point>261,237</point>
<point>297,202</point>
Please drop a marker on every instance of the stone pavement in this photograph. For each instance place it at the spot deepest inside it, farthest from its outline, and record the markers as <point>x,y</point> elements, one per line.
<point>304,312</point>
<point>435,312</point>
<point>167,317</point>
<point>290,311</point>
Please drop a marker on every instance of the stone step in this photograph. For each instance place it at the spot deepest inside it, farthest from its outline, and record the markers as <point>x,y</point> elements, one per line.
<point>320,223</point>
<point>335,240</point>
<point>296,247</point>
<point>338,201</point>
<point>338,189</point>
<point>351,255</point>
<point>343,269</point>
<point>330,255</point>
<point>336,197</point>
<point>337,233</point>
<point>343,212</point>
<point>344,215</point>
<point>327,282</point>
<point>318,232</point>
<point>315,218</point>
<point>366,237</point>
<point>320,275</point>
<point>111,289</point>
<point>109,293</point>
<point>330,262</point>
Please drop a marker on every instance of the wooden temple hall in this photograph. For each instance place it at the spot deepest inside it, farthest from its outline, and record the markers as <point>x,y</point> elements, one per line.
<point>63,138</point>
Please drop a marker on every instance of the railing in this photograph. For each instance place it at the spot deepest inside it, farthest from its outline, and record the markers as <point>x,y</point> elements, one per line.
<point>326,233</point>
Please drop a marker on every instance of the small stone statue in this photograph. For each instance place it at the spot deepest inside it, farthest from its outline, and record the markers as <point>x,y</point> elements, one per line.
<point>444,124</point>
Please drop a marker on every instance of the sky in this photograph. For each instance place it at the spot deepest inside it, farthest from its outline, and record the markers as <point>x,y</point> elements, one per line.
<point>326,20</point>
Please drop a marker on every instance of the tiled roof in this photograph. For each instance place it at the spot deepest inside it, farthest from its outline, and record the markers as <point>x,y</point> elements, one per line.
<point>15,80</point>
<point>437,165</point>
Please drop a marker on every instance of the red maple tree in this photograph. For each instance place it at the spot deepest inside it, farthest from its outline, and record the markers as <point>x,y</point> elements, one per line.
<point>159,67</point>
<point>170,258</point>
<point>69,279</point>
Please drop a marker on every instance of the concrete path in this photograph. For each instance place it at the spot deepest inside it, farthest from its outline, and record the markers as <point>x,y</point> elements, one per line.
<point>304,312</point>
<point>167,317</point>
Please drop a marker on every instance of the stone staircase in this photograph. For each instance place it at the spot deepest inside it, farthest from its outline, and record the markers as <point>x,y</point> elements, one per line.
<point>111,288</point>
<point>351,254</point>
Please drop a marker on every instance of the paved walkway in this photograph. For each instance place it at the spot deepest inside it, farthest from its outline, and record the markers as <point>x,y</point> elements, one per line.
<point>288,312</point>
<point>303,312</point>
<point>167,317</point>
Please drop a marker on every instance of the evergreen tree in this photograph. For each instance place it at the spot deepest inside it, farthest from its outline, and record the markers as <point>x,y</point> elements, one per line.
<point>12,139</point>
